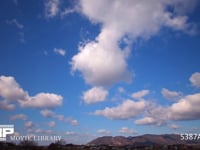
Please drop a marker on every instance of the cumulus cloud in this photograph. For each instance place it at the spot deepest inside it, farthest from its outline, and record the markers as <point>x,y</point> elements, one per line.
<point>43,100</point>
<point>103,131</point>
<point>170,95</point>
<point>18,117</point>
<point>69,120</point>
<point>29,124</point>
<point>47,113</point>
<point>51,124</point>
<point>127,110</point>
<point>187,108</point>
<point>145,121</point>
<point>72,121</point>
<point>5,105</point>
<point>51,8</point>
<point>101,65</point>
<point>125,130</point>
<point>195,79</point>
<point>16,23</point>
<point>11,91</point>
<point>60,51</point>
<point>140,94</point>
<point>154,115</point>
<point>102,62</point>
<point>94,95</point>
<point>50,114</point>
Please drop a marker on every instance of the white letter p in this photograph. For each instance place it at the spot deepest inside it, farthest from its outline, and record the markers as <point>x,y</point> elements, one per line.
<point>7,131</point>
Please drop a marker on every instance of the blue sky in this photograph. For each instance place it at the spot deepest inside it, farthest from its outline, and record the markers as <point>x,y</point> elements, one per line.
<point>83,69</point>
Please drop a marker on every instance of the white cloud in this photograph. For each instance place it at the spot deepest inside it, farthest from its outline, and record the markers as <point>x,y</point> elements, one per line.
<point>70,133</point>
<point>18,117</point>
<point>50,114</point>
<point>102,62</point>
<point>187,108</point>
<point>135,15</point>
<point>19,25</point>
<point>68,11</point>
<point>103,131</point>
<point>39,131</point>
<point>174,126</point>
<point>43,100</point>
<point>60,51</point>
<point>72,121</point>
<point>16,23</point>
<point>5,105</point>
<point>51,8</point>
<point>100,66</point>
<point>127,110</point>
<point>154,115</point>
<point>125,130</point>
<point>195,79</point>
<point>47,113</point>
<point>140,94</point>
<point>170,95</point>
<point>121,90</point>
<point>145,121</point>
<point>94,95</point>
<point>51,124</point>
<point>60,117</point>
<point>10,89</point>
<point>29,124</point>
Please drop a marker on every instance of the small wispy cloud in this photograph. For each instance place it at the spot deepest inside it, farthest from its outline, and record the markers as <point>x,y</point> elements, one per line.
<point>68,11</point>
<point>29,124</point>
<point>16,23</point>
<point>60,51</point>
<point>140,94</point>
<point>126,130</point>
<point>103,131</point>
<point>51,8</point>
<point>18,117</point>
<point>15,2</point>
<point>170,95</point>
<point>195,79</point>
<point>70,133</point>
<point>50,114</point>
<point>51,124</point>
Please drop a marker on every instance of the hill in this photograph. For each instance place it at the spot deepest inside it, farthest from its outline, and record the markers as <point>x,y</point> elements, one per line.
<point>147,139</point>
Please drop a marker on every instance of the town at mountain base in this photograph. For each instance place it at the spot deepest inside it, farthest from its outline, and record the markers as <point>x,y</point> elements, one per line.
<point>144,142</point>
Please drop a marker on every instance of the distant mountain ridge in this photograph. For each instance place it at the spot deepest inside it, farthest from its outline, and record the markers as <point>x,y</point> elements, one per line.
<point>147,139</point>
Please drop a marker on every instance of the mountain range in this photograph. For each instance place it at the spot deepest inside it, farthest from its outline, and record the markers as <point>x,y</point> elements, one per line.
<point>147,139</point>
